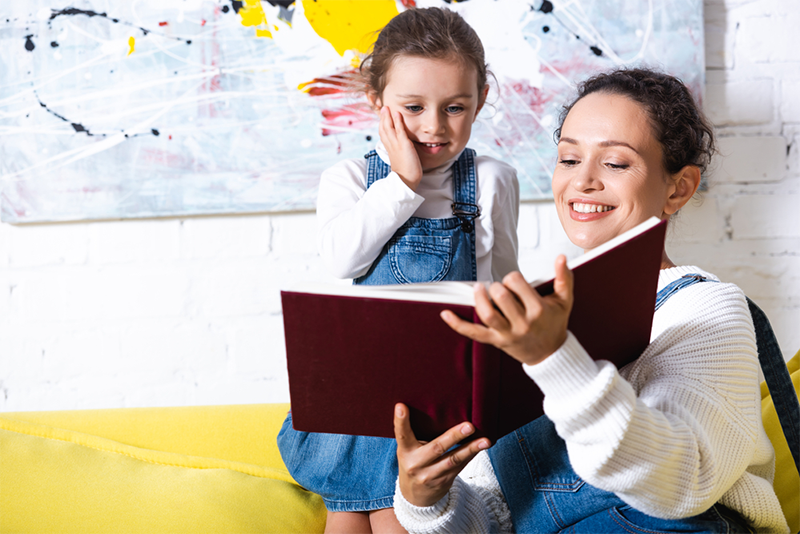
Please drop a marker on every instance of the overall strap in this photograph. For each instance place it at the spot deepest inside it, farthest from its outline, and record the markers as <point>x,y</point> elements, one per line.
<point>464,186</point>
<point>376,168</point>
<point>779,382</point>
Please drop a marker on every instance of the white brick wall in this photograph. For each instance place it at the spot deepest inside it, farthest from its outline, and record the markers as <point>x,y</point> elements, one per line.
<point>177,312</point>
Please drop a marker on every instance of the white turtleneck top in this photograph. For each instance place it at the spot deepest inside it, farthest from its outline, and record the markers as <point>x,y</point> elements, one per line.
<point>671,433</point>
<point>354,223</point>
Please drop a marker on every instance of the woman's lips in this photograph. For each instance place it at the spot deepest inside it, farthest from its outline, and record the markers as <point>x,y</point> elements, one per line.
<point>589,211</point>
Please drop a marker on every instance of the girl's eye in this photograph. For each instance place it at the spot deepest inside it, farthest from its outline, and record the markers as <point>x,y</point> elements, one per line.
<point>454,109</point>
<point>414,109</point>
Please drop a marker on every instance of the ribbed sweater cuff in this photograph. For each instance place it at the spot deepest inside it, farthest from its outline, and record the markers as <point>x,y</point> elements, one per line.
<point>567,370</point>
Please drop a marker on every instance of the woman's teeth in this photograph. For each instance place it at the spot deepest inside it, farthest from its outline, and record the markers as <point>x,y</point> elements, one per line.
<point>590,208</point>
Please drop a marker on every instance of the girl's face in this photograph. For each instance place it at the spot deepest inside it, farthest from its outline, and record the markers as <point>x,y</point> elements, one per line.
<point>610,174</point>
<point>438,99</point>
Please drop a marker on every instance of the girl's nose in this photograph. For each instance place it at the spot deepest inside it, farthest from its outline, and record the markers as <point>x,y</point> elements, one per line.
<point>434,123</point>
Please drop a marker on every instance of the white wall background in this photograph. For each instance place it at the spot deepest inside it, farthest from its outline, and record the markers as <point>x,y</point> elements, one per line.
<point>181,312</point>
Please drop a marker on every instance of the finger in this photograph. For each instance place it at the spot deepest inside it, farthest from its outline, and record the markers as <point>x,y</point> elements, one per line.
<point>485,308</point>
<point>471,330</point>
<point>441,445</point>
<point>399,125</point>
<point>406,441</point>
<point>528,298</point>
<point>563,284</point>
<point>508,303</point>
<point>464,454</point>
<point>386,126</point>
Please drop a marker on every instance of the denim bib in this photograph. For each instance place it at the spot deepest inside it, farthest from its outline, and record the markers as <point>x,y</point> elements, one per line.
<point>429,250</point>
<point>545,495</point>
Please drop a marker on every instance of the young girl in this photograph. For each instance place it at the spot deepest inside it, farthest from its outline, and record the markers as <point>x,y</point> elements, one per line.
<point>419,208</point>
<point>672,442</point>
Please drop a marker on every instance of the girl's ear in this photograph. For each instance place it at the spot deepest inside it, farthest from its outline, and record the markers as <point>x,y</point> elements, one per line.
<point>481,100</point>
<point>685,183</point>
<point>374,100</point>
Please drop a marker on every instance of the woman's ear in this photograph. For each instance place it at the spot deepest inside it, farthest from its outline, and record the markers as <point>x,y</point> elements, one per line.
<point>685,183</point>
<point>374,100</point>
<point>481,100</point>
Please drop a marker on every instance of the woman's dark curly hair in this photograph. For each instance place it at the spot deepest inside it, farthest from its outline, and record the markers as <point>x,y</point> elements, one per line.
<point>685,134</point>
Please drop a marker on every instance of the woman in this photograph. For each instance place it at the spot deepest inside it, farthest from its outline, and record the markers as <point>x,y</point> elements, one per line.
<point>673,442</point>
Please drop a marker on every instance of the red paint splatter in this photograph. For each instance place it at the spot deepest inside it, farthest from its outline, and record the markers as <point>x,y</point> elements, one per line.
<point>203,22</point>
<point>409,4</point>
<point>329,85</point>
<point>170,136</point>
<point>348,118</point>
<point>163,23</point>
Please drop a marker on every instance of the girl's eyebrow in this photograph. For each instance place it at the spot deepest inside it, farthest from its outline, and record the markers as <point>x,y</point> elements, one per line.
<point>463,95</point>
<point>602,143</point>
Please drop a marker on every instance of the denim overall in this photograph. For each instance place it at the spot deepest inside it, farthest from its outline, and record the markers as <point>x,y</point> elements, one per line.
<point>358,473</point>
<point>545,494</point>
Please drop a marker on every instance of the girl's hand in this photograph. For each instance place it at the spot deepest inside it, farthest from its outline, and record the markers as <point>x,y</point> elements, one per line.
<point>403,156</point>
<point>527,326</point>
<point>427,470</point>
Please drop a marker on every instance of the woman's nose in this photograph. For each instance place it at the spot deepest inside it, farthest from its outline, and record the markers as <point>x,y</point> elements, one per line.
<point>586,178</point>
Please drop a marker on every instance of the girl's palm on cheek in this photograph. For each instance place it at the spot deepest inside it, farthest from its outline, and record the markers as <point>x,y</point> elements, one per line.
<point>403,157</point>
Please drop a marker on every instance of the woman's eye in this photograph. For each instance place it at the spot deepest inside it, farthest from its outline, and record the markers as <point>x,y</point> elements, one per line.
<point>455,109</point>
<point>414,109</point>
<point>568,162</point>
<point>617,166</point>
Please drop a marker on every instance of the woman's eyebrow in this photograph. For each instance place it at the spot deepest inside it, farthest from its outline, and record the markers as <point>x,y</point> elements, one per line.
<point>602,143</point>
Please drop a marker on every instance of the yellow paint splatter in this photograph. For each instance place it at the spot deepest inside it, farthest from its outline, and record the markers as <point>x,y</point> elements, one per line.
<point>252,14</point>
<point>131,43</point>
<point>349,24</point>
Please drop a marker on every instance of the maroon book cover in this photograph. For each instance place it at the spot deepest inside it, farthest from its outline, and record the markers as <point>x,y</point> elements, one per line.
<point>352,358</point>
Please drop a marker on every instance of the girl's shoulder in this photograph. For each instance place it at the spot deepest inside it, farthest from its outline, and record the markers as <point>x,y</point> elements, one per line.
<point>349,171</point>
<point>492,171</point>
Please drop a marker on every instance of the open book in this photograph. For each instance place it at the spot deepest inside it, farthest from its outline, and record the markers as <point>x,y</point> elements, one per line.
<point>353,352</point>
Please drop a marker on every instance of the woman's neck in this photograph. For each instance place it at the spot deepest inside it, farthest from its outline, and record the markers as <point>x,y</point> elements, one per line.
<point>666,263</point>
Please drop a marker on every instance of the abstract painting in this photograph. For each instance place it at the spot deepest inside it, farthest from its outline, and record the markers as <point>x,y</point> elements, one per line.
<point>152,108</point>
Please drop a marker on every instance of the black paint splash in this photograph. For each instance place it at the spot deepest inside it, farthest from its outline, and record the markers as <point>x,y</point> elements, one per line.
<point>548,8</point>
<point>29,46</point>
<point>73,11</point>
<point>54,44</point>
<point>80,128</point>
<point>236,5</point>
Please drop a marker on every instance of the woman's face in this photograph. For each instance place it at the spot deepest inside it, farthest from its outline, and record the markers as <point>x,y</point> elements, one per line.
<point>610,174</point>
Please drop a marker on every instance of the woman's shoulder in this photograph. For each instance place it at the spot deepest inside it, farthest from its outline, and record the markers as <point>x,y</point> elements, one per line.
<point>709,292</point>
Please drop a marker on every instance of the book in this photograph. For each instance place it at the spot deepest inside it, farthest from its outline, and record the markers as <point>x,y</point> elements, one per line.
<point>355,351</point>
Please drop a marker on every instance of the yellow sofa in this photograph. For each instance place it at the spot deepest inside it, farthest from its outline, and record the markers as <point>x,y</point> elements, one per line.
<point>189,470</point>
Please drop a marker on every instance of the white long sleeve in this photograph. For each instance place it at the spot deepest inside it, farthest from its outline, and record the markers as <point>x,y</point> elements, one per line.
<point>354,223</point>
<point>679,429</point>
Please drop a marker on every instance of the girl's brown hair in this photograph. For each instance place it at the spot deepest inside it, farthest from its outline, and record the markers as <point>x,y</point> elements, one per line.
<point>424,32</point>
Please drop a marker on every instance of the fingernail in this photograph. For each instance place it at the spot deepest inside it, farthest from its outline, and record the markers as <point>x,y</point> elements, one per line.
<point>466,428</point>
<point>398,411</point>
<point>483,445</point>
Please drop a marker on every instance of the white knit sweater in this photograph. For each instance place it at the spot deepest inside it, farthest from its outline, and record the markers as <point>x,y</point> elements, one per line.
<point>671,434</point>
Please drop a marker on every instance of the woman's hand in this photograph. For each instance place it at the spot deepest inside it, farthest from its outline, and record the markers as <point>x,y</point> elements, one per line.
<point>524,324</point>
<point>403,156</point>
<point>427,470</point>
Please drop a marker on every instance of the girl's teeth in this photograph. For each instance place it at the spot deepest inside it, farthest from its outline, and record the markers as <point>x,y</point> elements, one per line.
<point>590,208</point>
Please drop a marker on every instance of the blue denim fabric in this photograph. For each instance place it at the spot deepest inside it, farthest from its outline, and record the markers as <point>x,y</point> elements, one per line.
<point>427,250</point>
<point>545,494</point>
<point>358,473</point>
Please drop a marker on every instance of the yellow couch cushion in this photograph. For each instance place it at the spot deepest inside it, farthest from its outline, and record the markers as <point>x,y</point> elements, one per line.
<point>787,479</point>
<point>196,469</point>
